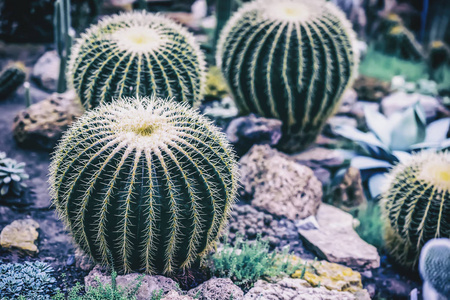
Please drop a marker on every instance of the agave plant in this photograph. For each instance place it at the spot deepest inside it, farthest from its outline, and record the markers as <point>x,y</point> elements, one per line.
<point>392,140</point>
<point>11,175</point>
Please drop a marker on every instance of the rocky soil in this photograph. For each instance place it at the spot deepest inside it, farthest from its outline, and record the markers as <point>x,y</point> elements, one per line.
<point>248,219</point>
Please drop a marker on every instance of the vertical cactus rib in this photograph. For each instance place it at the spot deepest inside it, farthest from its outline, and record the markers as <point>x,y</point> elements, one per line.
<point>237,79</point>
<point>195,234</point>
<point>326,68</point>
<point>104,203</point>
<point>148,253</point>
<point>79,213</point>
<point>172,239</point>
<point>134,42</point>
<point>286,80</point>
<point>318,42</point>
<point>164,75</point>
<point>415,205</point>
<point>126,233</point>
<point>123,84</point>
<point>210,190</point>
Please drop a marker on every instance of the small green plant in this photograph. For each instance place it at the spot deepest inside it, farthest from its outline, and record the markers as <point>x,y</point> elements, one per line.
<point>370,226</point>
<point>246,262</point>
<point>11,78</point>
<point>289,60</point>
<point>136,54</point>
<point>146,182</point>
<point>12,175</point>
<point>416,205</point>
<point>391,140</point>
<point>108,291</point>
<point>157,295</point>
<point>31,280</point>
<point>434,266</point>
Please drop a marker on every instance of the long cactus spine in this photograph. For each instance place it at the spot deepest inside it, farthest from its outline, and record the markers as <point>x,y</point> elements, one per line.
<point>289,60</point>
<point>136,54</point>
<point>146,182</point>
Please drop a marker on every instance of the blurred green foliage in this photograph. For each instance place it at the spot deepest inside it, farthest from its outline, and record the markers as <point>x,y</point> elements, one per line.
<point>384,67</point>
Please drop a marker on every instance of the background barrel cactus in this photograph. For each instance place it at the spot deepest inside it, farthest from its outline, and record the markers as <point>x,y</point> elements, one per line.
<point>290,60</point>
<point>416,206</point>
<point>133,54</point>
<point>144,184</point>
<point>11,78</point>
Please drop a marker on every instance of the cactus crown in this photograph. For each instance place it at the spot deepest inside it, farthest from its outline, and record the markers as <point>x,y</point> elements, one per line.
<point>133,54</point>
<point>416,205</point>
<point>144,184</point>
<point>290,60</point>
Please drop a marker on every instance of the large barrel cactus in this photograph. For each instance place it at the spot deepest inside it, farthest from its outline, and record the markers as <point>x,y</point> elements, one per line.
<point>416,205</point>
<point>290,60</point>
<point>136,54</point>
<point>144,184</point>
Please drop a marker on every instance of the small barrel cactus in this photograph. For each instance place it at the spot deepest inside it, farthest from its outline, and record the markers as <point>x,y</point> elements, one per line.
<point>434,266</point>
<point>144,184</point>
<point>416,205</point>
<point>290,60</point>
<point>11,78</point>
<point>134,54</point>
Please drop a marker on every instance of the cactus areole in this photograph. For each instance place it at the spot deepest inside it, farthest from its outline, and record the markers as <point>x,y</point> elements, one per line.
<point>416,206</point>
<point>290,60</point>
<point>144,184</point>
<point>133,54</point>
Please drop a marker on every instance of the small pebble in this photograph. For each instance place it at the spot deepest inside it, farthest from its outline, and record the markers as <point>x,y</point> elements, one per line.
<point>70,260</point>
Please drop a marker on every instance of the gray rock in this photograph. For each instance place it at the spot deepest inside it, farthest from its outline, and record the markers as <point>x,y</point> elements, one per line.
<point>173,295</point>
<point>42,124</point>
<point>293,289</point>
<point>217,289</point>
<point>400,101</point>
<point>149,285</point>
<point>46,70</point>
<point>278,185</point>
<point>244,132</point>
<point>319,157</point>
<point>309,223</point>
<point>83,261</point>
<point>337,242</point>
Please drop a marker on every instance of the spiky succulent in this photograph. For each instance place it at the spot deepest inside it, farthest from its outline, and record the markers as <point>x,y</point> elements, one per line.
<point>434,265</point>
<point>290,60</point>
<point>144,184</point>
<point>11,78</point>
<point>12,175</point>
<point>392,139</point>
<point>133,54</point>
<point>416,205</point>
